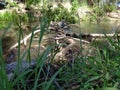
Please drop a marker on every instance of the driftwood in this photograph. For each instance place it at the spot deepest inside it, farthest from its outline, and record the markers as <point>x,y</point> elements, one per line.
<point>102,35</point>
<point>81,41</point>
<point>62,25</point>
<point>75,35</point>
<point>24,41</point>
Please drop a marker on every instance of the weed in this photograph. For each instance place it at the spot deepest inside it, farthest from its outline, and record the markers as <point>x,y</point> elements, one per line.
<point>109,7</point>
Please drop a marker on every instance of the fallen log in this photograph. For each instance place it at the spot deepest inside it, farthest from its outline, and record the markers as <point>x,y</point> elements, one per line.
<point>75,35</point>
<point>102,35</point>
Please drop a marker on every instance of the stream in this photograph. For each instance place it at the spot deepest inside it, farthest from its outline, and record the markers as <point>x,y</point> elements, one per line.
<point>104,27</point>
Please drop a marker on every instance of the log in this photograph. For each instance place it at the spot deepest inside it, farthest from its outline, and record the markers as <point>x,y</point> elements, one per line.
<point>100,35</point>
<point>83,36</point>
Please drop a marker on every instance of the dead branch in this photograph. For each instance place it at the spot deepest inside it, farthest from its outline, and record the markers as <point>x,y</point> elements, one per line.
<point>82,41</point>
<point>24,41</point>
<point>100,35</point>
<point>60,37</point>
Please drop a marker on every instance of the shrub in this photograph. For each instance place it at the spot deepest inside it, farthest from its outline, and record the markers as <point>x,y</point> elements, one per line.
<point>58,14</point>
<point>109,7</point>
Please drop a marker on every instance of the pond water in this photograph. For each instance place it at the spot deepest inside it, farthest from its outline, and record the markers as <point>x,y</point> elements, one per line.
<point>106,27</point>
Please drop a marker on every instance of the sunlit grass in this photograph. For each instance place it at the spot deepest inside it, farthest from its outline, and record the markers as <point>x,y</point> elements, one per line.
<point>94,72</point>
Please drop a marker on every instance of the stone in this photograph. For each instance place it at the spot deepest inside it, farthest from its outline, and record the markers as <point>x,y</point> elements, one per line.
<point>24,65</point>
<point>2,5</point>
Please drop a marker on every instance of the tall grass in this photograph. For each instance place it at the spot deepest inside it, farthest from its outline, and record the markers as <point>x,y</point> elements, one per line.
<point>91,73</point>
<point>22,78</point>
<point>4,82</point>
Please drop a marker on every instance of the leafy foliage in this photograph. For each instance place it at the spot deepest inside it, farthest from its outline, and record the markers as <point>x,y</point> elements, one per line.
<point>99,11</point>
<point>91,73</point>
<point>7,17</point>
<point>109,7</point>
<point>58,14</point>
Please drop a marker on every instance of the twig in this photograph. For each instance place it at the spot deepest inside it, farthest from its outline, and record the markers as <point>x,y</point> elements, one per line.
<point>83,41</point>
<point>60,37</point>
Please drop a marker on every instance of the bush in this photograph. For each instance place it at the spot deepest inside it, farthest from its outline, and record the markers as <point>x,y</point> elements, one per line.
<point>99,11</point>
<point>109,7</point>
<point>58,14</point>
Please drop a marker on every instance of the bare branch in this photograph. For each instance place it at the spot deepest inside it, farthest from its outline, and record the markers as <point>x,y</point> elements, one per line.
<point>24,41</point>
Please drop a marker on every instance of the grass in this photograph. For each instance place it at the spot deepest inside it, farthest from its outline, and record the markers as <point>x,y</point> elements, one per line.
<point>93,72</point>
<point>101,71</point>
<point>7,17</point>
<point>21,78</point>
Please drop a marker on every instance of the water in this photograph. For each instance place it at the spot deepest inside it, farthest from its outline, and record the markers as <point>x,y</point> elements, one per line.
<point>107,27</point>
